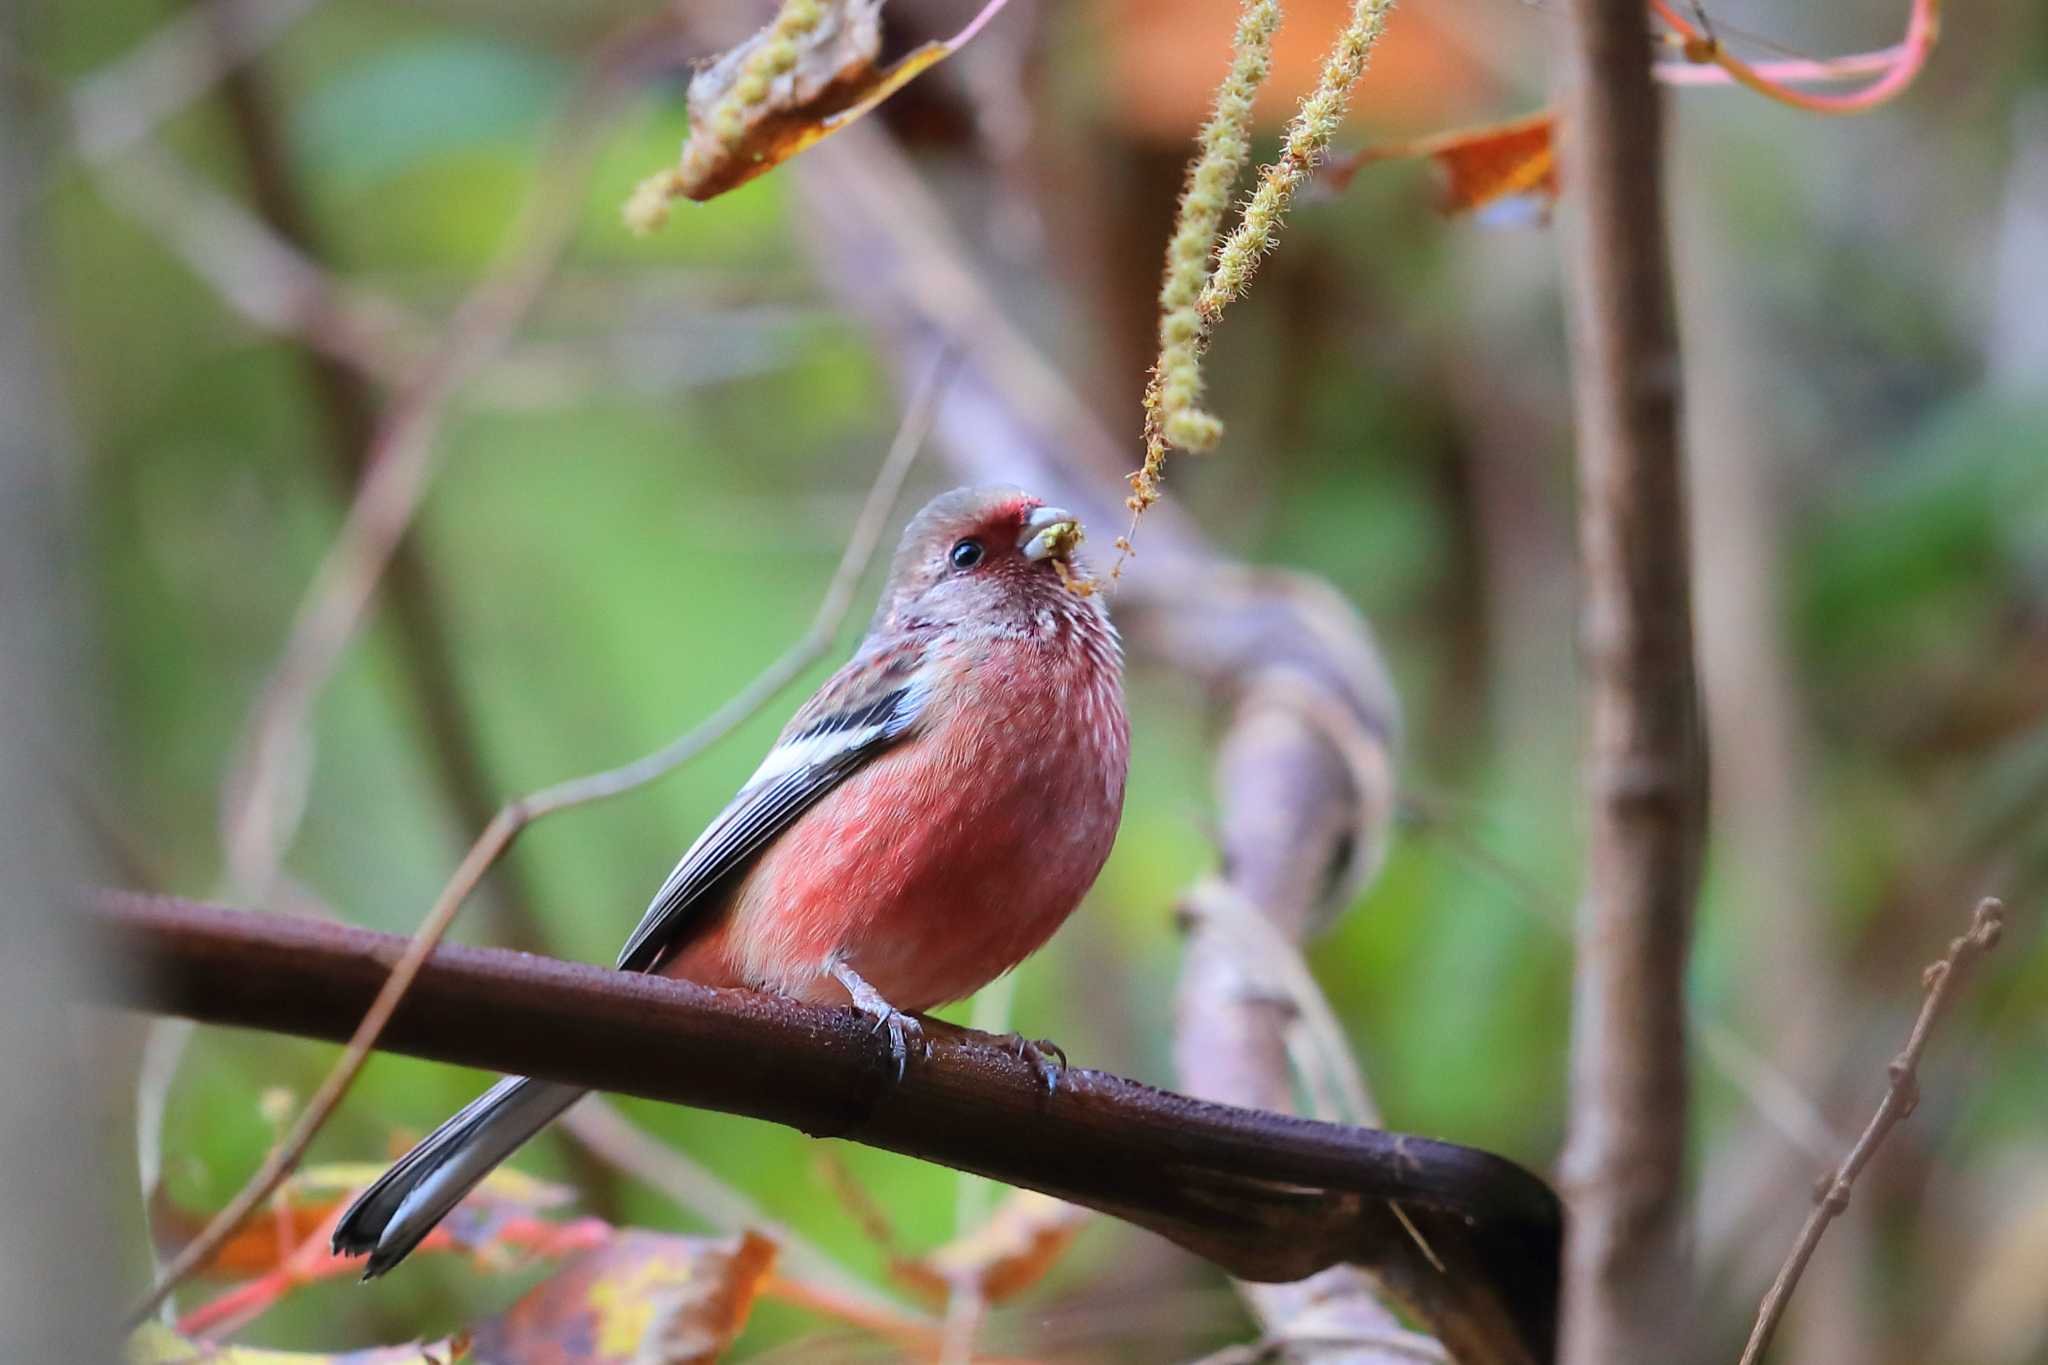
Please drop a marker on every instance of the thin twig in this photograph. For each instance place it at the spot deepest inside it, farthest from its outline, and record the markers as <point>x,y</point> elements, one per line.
<point>507,824</point>
<point>1942,980</point>
<point>832,611</point>
<point>1772,1093</point>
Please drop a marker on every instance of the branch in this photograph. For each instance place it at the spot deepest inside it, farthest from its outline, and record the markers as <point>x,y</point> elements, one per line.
<point>1942,980</point>
<point>1623,1163</point>
<point>260,276</point>
<point>121,103</point>
<point>1266,1196</point>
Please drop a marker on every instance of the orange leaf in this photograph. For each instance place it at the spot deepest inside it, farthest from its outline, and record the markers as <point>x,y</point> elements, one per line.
<point>1481,167</point>
<point>262,1242</point>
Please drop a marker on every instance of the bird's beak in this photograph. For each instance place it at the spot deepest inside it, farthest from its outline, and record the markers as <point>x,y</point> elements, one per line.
<point>1049,533</point>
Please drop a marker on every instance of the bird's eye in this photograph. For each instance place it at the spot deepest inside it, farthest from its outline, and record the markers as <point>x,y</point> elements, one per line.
<point>966,554</point>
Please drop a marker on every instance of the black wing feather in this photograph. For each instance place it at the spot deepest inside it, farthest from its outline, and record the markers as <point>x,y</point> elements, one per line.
<point>759,813</point>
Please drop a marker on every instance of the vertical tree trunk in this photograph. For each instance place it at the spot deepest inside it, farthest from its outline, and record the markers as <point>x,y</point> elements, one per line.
<point>1623,1162</point>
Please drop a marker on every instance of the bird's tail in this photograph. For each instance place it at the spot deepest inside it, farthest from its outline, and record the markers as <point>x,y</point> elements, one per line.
<point>388,1220</point>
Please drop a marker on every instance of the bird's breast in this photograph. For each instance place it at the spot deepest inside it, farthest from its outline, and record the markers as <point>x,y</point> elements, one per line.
<point>946,861</point>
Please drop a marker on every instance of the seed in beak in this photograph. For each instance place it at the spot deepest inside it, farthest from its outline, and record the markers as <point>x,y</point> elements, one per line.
<point>1049,533</point>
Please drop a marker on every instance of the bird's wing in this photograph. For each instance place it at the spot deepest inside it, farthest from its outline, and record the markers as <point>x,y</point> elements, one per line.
<point>860,711</point>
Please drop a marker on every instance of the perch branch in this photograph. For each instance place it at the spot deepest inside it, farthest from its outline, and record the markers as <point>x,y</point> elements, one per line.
<point>1623,1164</point>
<point>1942,981</point>
<point>1267,1196</point>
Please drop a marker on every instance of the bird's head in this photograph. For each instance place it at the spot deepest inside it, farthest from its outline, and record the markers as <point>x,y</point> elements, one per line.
<point>996,555</point>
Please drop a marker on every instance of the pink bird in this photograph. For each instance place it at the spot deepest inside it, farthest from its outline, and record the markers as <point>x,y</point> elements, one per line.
<point>923,824</point>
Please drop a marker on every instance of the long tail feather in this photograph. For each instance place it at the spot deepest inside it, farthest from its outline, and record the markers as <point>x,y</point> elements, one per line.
<point>388,1220</point>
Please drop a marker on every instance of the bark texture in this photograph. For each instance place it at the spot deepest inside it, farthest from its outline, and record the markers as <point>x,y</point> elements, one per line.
<point>1623,1162</point>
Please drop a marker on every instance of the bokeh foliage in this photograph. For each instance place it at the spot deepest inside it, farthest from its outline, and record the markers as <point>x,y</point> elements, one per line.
<point>639,508</point>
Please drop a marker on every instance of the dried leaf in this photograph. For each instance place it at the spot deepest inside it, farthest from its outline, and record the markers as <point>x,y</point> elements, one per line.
<point>1004,1256</point>
<point>1486,168</point>
<point>643,1298</point>
<point>808,74</point>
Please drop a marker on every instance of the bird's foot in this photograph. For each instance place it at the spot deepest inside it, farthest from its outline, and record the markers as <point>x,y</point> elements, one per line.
<point>906,1031</point>
<point>1046,1057</point>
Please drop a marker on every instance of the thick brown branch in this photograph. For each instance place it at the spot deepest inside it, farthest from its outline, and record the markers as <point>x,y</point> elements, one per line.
<point>1266,1196</point>
<point>1643,770</point>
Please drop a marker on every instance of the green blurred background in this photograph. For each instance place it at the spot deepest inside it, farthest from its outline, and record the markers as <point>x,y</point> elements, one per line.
<point>638,504</point>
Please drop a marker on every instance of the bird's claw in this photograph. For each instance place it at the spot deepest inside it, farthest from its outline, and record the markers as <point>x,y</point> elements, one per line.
<point>905,1032</point>
<point>1040,1054</point>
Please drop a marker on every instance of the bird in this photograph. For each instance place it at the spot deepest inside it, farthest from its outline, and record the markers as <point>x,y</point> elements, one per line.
<point>923,824</point>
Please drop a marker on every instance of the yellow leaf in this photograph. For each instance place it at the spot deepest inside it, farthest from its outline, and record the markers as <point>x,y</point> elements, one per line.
<point>642,1296</point>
